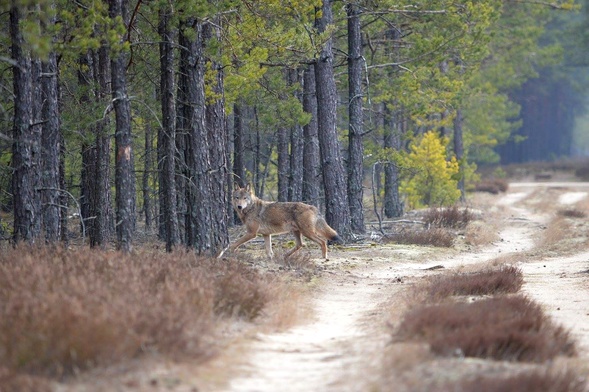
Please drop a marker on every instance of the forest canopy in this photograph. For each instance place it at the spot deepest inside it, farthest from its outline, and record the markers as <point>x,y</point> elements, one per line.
<point>119,113</point>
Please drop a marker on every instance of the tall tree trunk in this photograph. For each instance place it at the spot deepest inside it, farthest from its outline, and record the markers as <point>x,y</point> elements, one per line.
<point>86,78</point>
<point>124,172</point>
<point>96,210</point>
<point>393,206</point>
<point>199,193</point>
<point>258,177</point>
<point>311,142</point>
<point>217,137</point>
<point>147,170</point>
<point>102,209</point>
<point>51,149</point>
<point>182,132</point>
<point>337,210</point>
<point>50,139</point>
<point>459,151</point>
<point>26,145</point>
<point>295,188</point>
<point>238,147</point>
<point>355,145</point>
<point>167,135</point>
<point>63,197</point>
<point>282,142</point>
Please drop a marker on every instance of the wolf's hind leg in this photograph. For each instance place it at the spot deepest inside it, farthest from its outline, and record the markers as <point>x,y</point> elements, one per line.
<point>298,243</point>
<point>319,240</point>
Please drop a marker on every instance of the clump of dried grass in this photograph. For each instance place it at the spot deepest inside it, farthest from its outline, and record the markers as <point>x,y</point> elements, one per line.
<point>478,234</point>
<point>536,380</point>
<point>298,261</point>
<point>62,311</point>
<point>511,328</point>
<point>582,172</point>
<point>452,217</point>
<point>503,280</point>
<point>493,186</point>
<point>572,213</point>
<point>556,231</point>
<point>428,237</point>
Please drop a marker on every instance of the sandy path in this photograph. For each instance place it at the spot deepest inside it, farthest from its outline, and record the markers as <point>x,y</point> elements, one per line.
<point>336,350</point>
<point>316,356</point>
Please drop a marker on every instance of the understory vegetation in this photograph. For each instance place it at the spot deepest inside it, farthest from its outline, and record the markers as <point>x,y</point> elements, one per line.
<point>66,311</point>
<point>482,315</point>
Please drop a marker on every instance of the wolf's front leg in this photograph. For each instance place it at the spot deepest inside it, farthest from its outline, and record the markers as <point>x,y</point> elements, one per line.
<point>247,237</point>
<point>268,243</point>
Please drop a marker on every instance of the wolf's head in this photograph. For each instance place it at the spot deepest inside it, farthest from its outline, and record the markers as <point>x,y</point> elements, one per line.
<point>242,197</point>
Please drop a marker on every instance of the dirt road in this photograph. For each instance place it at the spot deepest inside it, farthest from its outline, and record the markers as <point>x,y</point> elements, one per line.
<point>339,348</point>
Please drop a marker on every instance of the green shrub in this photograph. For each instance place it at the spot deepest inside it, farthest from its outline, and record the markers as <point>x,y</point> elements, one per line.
<point>432,179</point>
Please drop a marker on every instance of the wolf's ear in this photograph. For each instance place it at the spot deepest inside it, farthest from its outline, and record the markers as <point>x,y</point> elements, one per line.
<point>235,186</point>
<point>248,188</point>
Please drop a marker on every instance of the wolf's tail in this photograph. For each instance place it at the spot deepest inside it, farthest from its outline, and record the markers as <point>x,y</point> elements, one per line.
<point>328,232</point>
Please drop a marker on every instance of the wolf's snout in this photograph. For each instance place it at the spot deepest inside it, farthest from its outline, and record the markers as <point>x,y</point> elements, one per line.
<point>239,207</point>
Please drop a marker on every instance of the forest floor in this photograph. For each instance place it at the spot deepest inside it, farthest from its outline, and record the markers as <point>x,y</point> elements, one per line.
<point>344,340</point>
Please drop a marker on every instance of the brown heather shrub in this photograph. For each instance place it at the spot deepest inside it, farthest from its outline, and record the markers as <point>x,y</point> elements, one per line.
<point>451,217</point>
<point>11,381</point>
<point>557,230</point>
<point>429,237</point>
<point>537,380</point>
<point>239,291</point>
<point>572,213</point>
<point>63,311</point>
<point>503,280</point>
<point>582,172</point>
<point>493,186</point>
<point>511,328</point>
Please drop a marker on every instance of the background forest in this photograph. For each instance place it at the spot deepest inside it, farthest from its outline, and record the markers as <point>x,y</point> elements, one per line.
<point>117,112</point>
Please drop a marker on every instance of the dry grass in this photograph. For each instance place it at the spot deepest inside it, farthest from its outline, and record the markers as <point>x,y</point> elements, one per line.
<point>63,311</point>
<point>537,380</point>
<point>557,230</point>
<point>511,328</point>
<point>493,186</point>
<point>452,217</point>
<point>582,172</point>
<point>480,233</point>
<point>429,237</point>
<point>300,261</point>
<point>572,213</point>
<point>503,280</point>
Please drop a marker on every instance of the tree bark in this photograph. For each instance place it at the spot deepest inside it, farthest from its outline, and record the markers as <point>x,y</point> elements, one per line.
<point>459,151</point>
<point>26,145</point>
<point>124,171</point>
<point>102,209</point>
<point>295,188</point>
<point>167,135</point>
<point>198,158</point>
<point>356,122</point>
<point>218,139</point>
<point>145,181</point>
<point>337,211</point>
<point>50,140</point>
<point>182,140</point>
<point>393,206</point>
<point>283,139</point>
<point>238,147</point>
<point>311,142</point>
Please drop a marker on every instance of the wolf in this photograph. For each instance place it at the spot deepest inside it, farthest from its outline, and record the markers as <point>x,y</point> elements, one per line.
<point>269,218</point>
